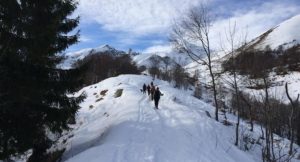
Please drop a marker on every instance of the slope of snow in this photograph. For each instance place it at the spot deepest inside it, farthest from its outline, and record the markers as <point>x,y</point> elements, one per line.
<point>286,34</point>
<point>72,57</point>
<point>129,129</point>
<point>277,91</point>
<point>179,58</point>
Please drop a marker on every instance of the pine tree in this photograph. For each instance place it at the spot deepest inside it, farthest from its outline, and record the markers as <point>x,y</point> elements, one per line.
<point>33,92</point>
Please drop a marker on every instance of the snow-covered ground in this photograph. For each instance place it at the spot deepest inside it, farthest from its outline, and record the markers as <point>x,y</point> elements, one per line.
<point>277,89</point>
<point>129,129</point>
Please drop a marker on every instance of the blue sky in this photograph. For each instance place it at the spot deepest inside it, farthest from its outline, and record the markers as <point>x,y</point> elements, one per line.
<point>144,24</point>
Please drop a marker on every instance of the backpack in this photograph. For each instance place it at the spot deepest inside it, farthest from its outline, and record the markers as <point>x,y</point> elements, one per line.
<point>152,89</point>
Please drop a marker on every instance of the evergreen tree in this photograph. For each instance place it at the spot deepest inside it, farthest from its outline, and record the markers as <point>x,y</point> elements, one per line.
<point>33,92</point>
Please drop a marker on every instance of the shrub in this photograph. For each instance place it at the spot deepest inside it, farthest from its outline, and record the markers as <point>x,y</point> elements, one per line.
<point>103,92</point>
<point>99,99</point>
<point>118,93</point>
<point>257,63</point>
<point>99,66</point>
<point>252,110</point>
<point>55,156</point>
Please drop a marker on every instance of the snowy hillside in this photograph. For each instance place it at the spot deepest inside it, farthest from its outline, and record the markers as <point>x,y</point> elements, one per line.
<point>286,34</point>
<point>129,129</point>
<point>276,90</point>
<point>179,58</point>
<point>72,57</point>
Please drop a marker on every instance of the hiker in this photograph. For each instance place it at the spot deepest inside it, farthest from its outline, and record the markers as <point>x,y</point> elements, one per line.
<point>148,89</point>
<point>144,88</point>
<point>157,95</point>
<point>152,90</point>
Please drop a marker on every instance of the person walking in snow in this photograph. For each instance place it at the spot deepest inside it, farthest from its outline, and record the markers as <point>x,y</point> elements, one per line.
<point>156,97</point>
<point>144,88</point>
<point>152,90</point>
<point>148,89</point>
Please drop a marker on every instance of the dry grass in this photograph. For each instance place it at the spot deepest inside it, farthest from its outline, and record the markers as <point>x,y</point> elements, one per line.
<point>99,99</point>
<point>103,93</point>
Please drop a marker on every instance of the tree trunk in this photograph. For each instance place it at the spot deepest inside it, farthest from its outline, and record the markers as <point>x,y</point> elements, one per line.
<point>291,118</point>
<point>238,110</point>
<point>214,89</point>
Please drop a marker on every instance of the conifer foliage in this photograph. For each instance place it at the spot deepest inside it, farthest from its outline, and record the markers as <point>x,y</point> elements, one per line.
<point>33,92</point>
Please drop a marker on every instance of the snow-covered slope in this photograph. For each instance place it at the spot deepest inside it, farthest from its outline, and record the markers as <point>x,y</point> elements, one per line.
<point>72,57</point>
<point>276,90</point>
<point>129,129</point>
<point>286,34</point>
<point>179,58</point>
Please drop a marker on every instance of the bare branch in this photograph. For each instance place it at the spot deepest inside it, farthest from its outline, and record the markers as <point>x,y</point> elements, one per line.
<point>193,32</point>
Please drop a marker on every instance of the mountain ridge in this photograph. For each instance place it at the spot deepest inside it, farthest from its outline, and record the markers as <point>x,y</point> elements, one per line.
<point>72,57</point>
<point>284,34</point>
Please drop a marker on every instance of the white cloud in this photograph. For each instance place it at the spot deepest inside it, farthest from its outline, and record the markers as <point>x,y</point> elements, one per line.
<point>158,48</point>
<point>133,19</point>
<point>84,38</point>
<point>252,23</point>
<point>138,17</point>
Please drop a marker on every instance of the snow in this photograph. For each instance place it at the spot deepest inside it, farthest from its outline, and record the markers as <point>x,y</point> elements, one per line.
<point>129,129</point>
<point>277,91</point>
<point>72,57</point>
<point>287,34</point>
<point>180,58</point>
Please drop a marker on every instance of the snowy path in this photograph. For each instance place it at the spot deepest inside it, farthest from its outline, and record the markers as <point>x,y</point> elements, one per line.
<point>134,131</point>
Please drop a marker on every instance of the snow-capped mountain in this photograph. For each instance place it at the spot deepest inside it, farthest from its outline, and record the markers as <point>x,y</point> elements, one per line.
<point>286,34</point>
<point>144,59</point>
<point>72,57</point>
<point>127,128</point>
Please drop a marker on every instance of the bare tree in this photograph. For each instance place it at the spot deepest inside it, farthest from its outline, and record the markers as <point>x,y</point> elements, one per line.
<point>250,110</point>
<point>195,27</point>
<point>235,46</point>
<point>292,116</point>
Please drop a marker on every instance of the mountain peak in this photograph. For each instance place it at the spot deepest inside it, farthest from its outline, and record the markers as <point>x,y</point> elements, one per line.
<point>104,48</point>
<point>72,57</point>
